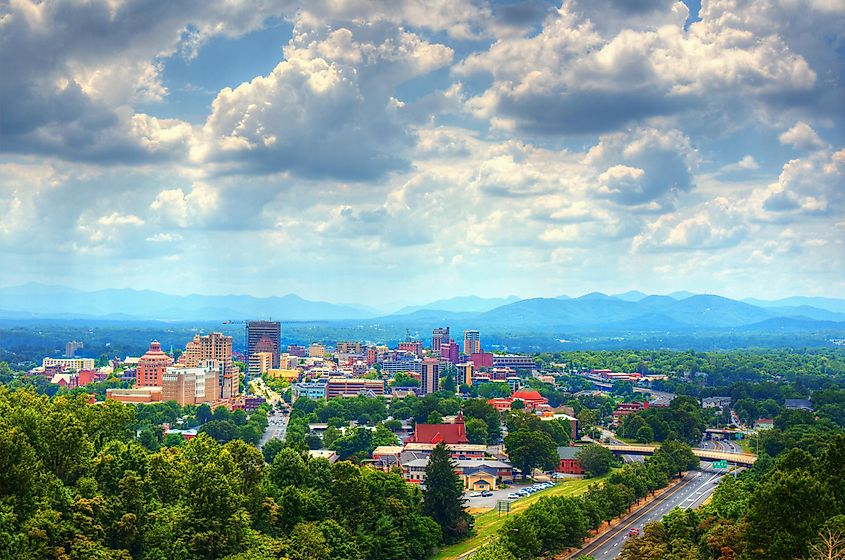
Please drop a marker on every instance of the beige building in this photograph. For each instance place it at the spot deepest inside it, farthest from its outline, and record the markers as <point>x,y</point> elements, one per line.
<point>348,347</point>
<point>189,385</point>
<point>216,347</point>
<point>69,363</point>
<point>136,395</point>
<point>260,363</point>
<point>464,373</point>
<point>316,350</point>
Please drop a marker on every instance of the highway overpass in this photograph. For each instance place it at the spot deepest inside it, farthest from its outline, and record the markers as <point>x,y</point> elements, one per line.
<point>743,459</point>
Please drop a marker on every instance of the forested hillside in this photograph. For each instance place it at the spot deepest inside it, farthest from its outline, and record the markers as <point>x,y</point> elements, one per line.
<point>75,485</point>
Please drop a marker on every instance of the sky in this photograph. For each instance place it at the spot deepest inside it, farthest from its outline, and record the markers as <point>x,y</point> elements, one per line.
<point>392,153</point>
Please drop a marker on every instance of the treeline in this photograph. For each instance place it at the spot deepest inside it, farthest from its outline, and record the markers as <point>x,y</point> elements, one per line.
<point>721,368</point>
<point>75,484</point>
<point>789,507</point>
<point>556,523</point>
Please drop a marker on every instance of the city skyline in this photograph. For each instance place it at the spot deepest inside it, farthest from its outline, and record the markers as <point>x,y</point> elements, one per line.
<point>362,152</point>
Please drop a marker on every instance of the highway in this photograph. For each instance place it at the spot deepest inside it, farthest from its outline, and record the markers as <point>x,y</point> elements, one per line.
<point>695,487</point>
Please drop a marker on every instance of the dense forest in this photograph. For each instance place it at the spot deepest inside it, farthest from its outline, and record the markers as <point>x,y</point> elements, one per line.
<point>75,484</point>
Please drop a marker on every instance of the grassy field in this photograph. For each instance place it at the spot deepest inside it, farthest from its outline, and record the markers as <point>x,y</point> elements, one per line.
<point>486,524</point>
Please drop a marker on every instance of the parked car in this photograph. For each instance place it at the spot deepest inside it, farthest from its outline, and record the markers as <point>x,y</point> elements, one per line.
<point>514,496</point>
<point>486,494</point>
<point>475,494</point>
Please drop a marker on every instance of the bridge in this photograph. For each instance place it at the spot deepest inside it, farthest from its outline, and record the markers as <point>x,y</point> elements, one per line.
<point>743,459</point>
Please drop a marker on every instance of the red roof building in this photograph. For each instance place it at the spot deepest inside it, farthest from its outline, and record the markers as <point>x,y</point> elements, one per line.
<point>435,433</point>
<point>530,397</point>
<point>151,366</point>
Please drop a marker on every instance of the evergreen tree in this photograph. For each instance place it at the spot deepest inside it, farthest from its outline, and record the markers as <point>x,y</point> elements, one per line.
<point>444,500</point>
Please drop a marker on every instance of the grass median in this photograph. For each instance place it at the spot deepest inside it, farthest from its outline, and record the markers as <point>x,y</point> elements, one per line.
<point>489,522</point>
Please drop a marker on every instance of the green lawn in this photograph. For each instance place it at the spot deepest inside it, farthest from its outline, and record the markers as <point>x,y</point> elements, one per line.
<point>487,523</point>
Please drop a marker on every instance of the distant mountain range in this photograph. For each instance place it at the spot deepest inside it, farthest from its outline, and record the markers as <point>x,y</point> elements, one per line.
<point>630,311</point>
<point>38,300</point>
<point>461,304</point>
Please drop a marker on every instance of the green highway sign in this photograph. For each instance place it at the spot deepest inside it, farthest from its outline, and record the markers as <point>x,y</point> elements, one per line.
<point>723,464</point>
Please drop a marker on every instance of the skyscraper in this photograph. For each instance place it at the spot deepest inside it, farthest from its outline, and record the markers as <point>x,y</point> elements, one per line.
<point>430,376</point>
<point>215,347</point>
<point>472,342</point>
<point>258,330</point>
<point>439,336</point>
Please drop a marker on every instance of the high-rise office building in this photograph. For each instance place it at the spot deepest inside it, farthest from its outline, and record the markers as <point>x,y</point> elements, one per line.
<point>429,376</point>
<point>256,331</point>
<point>215,347</point>
<point>450,351</point>
<point>472,342</point>
<point>439,336</point>
<point>152,366</point>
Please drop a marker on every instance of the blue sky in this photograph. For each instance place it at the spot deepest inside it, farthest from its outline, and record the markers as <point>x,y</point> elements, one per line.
<point>393,153</point>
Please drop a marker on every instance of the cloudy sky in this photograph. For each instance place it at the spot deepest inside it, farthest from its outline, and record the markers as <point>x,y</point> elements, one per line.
<point>386,153</point>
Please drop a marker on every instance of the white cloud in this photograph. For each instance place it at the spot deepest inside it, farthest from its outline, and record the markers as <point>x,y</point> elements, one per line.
<point>802,137</point>
<point>193,209</point>
<point>592,75</point>
<point>328,109</point>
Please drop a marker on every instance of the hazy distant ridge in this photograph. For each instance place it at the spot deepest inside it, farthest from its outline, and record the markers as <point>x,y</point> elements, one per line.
<point>629,311</point>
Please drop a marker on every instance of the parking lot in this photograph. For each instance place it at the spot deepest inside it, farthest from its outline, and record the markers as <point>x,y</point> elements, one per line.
<point>490,501</point>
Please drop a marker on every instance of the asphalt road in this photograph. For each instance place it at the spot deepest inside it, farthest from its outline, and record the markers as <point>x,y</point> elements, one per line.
<point>695,487</point>
<point>277,427</point>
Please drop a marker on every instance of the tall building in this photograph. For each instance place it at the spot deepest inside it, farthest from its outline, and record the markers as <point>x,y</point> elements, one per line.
<point>215,347</point>
<point>429,376</point>
<point>71,348</point>
<point>472,342</point>
<point>439,336</point>
<point>152,366</point>
<point>317,350</point>
<point>269,330</point>
<point>451,352</point>
<point>464,373</point>
<point>260,363</point>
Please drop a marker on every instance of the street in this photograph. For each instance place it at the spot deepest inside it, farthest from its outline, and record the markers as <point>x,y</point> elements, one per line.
<point>276,428</point>
<point>695,487</point>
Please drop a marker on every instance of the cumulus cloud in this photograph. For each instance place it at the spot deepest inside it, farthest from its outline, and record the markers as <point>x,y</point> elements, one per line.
<point>585,73</point>
<point>176,208</point>
<point>715,225</point>
<point>328,109</point>
<point>802,137</point>
<point>643,166</point>
<point>806,187</point>
<point>747,163</point>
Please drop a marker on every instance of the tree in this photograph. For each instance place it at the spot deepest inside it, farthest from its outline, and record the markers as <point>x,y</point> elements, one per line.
<point>476,431</point>
<point>595,459</point>
<point>271,449</point>
<point>529,450</point>
<point>645,434</point>
<point>518,404</point>
<point>443,496</point>
<point>220,430</point>
<point>785,513</point>
<point>677,457</point>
